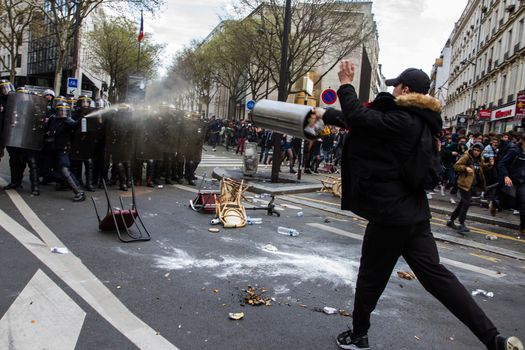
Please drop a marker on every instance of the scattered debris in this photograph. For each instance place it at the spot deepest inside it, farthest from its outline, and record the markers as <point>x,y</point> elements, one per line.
<point>254,221</point>
<point>215,221</point>
<point>167,275</point>
<point>118,287</point>
<point>160,186</point>
<point>215,291</point>
<point>491,237</point>
<point>451,338</point>
<point>327,220</point>
<point>214,230</point>
<point>59,250</point>
<point>236,315</point>
<point>300,213</point>
<point>270,248</point>
<point>303,305</point>
<point>417,338</point>
<point>255,296</point>
<point>203,289</point>
<point>406,275</point>
<point>33,321</point>
<point>345,313</point>
<point>330,310</point>
<point>482,292</point>
<point>287,231</point>
<point>180,326</point>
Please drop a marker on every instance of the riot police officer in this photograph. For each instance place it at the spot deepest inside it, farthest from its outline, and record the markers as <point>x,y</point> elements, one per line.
<point>84,142</point>
<point>194,132</point>
<point>24,120</point>
<point>57,143</point>
<point>5,88</point>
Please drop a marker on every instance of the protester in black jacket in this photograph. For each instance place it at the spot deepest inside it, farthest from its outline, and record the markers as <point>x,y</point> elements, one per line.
<point>381,141</point>
<point>512,176</point>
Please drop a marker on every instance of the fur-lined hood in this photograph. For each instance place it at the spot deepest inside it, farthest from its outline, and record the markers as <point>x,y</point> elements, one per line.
<point>419,101</point>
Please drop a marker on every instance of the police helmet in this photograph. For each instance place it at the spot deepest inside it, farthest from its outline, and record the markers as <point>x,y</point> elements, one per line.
<point>58,99</point>
<point>83,102</point>
<point>6,87</point>
<point>22,90</point>
<point>63,110</point>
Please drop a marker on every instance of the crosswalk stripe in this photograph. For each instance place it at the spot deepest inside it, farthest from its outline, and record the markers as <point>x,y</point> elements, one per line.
<point>42,316</point>
<point>446,261</point>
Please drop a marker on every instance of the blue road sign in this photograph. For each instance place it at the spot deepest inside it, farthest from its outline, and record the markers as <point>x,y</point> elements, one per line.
<point>250,105</point>
<point>329,96</point>
<point>72,82</point>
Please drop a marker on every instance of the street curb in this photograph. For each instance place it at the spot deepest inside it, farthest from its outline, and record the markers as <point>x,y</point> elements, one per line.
<point>440,237</point>
<point>478,218</point>
<point>273,189</point>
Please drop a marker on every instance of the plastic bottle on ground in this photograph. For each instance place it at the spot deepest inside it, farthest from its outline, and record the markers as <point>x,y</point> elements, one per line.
<point>287,231</point>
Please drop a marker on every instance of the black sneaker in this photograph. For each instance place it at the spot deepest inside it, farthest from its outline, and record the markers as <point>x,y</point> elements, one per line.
<point>463,230</point>
<point>347,341</point>
<point>507,343</point>
<point>452,225</point>
<point>79,197</point>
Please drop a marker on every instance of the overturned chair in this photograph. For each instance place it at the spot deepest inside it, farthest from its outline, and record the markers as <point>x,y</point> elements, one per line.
<point>331,185</point>
<point>120,219</point>
<point>229,209</point>
<point>205,201</point>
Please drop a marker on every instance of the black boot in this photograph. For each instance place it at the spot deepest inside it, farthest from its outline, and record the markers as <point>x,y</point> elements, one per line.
<point>79,195</point>
<point>89,175</point>
<point>149,174</point>
<point>33,176</point>
<point>16,174</point>
<point>122,177</point>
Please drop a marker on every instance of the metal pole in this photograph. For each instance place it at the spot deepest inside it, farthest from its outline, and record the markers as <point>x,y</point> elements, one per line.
<point>283,88</point>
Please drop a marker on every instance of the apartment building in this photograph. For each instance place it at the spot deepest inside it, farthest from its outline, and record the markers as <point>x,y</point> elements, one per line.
<point>487,69</point>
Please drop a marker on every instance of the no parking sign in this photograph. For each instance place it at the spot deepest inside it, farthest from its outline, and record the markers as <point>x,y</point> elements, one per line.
<point>329,96</point>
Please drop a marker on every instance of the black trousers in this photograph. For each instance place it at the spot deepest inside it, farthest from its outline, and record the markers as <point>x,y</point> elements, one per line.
<point>382,247</point>
<point>462,207</point>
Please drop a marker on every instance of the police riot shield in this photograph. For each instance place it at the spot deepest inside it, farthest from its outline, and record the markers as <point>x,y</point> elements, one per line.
<point>119,134</point>
<point>86,137</point>
<point>24,121</point>
<point>150,136</point>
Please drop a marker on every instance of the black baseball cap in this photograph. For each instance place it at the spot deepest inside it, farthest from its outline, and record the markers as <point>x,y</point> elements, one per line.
<point>417,80</point>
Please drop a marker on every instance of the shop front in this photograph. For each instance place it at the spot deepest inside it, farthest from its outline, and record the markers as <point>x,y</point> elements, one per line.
<point>504,119</point>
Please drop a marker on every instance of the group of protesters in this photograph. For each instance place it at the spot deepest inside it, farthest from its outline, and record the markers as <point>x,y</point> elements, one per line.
<point>490,166</point>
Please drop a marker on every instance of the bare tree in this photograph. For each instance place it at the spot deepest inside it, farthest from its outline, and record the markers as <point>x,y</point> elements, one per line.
<point>323,31</point>
<point>16,18</point>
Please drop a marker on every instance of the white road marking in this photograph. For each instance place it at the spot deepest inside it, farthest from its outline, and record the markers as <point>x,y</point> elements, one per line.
<point>75,274</point>
<point>41,317</point>
<point>461,265</point>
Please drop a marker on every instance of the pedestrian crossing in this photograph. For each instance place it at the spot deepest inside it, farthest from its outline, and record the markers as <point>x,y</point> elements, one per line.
<point>213,161</point>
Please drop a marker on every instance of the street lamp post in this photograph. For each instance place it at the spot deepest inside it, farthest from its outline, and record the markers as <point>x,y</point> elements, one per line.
<point>283,88</point>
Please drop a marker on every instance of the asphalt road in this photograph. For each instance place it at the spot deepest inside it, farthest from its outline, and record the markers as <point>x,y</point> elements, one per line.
<point>177,290</point>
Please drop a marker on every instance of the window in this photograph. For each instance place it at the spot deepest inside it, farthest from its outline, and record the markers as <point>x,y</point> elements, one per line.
<point>503,86</point>
<point>509,41</point>
<point>513,79</point>
<point>520,32</point>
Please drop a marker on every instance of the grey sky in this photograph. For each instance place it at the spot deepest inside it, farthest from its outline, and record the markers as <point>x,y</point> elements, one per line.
<point>411,33</point>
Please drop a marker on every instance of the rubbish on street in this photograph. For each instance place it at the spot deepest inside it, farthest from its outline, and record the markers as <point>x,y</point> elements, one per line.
<point>482,292</point>
<point>214,230</point>
<point>255,296</point>
<point>327,220</point>
<point>215,291</point>
<point>59,250</point>
<point>330,310</point>
<point>167,275</point>
<point>287,231</point>
<point>300,213</point>
<point>254,221</point>
<point>160,186</point>
<point>236,315</point>
<point>406,275</point>
<point>215,221</point>
<point>118,287</point>
<point>417,338</point>
<point>491,237</point>
<point>270,248</point>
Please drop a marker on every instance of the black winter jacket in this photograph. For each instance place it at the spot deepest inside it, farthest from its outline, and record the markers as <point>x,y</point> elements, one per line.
<point>381,139</point>
<point>58,134</point>
<point>512,165</point>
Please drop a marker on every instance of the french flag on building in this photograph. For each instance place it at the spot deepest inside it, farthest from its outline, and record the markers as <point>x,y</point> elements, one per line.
<point>141,32</point>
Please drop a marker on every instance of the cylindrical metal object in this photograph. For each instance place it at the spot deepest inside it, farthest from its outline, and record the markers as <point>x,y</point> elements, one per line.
<point>287,118</point>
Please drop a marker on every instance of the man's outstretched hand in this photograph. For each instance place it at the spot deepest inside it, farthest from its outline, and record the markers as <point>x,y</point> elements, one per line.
<point>346,72</point>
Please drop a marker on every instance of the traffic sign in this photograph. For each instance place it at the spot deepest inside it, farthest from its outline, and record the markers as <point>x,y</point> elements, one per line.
<point>250,105</point>
<point>72,86</point>
<point>329,96</point>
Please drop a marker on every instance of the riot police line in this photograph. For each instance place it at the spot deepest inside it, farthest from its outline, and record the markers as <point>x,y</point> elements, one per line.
<point>76,144</point>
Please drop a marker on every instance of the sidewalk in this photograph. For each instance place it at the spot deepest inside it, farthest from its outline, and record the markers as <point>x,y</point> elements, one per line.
<point>442,205</point>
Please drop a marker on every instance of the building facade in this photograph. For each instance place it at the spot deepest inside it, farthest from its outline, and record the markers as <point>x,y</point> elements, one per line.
<point>439,79</point>
<point>487,70</point>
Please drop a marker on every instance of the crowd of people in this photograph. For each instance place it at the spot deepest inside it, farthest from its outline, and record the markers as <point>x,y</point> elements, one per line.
<point>234,134</point>
<point>58,137</point>
<point>491,167</point>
